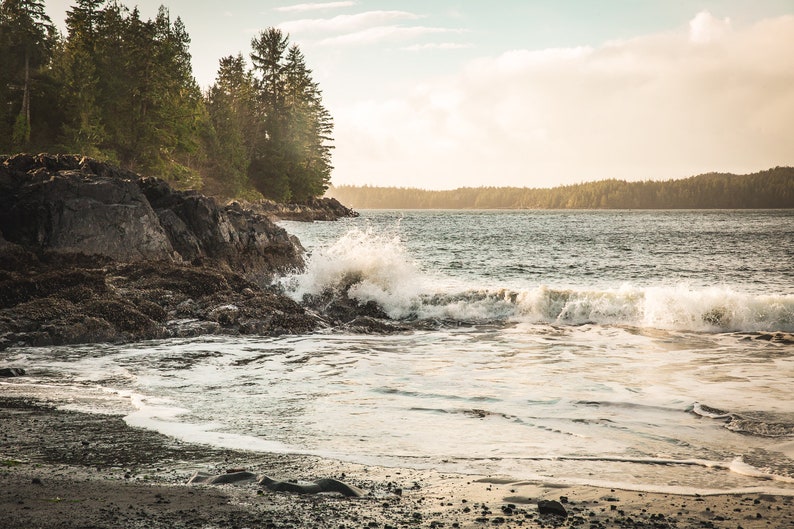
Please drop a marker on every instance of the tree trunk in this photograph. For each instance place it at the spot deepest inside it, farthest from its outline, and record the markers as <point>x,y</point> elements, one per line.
<point>26,98</point>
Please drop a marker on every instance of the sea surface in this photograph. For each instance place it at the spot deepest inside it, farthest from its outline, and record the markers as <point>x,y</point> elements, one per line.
<point>616,348</point>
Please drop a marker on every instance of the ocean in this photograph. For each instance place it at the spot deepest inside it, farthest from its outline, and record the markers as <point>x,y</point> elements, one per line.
<point>628,349</point>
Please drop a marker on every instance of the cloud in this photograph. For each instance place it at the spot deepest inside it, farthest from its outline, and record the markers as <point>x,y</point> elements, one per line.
<point>346,23</point>
<point>706,28</point>
<point>715,97</point>
<point>313,7</point>
<point>382,33</point>
<point>438,46</point>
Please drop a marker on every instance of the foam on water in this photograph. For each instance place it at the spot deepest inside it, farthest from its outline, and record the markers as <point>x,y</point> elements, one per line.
<point>163,416</point>
<point>595,353</point>
<point>375,267</point>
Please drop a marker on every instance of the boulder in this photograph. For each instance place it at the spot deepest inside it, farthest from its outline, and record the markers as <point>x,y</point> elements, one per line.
<point>552,507</point>
<point>82,206</point>
<point>71,211</point>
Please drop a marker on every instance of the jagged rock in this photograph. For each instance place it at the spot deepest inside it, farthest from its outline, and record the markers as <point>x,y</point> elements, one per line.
<point>314,209</point>
<point>44,303</point>
<point>8,372</point>
<point>70,210</point>
<point>93,253</point>
<point>83,206</point>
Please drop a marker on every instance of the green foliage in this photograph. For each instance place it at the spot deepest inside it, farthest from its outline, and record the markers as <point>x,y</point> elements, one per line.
<point>773,188</point>
<point>229,103</point>
<point>121,88</point>
<point>290,154</point>
<point>21,133</point>
<point>27,39</point>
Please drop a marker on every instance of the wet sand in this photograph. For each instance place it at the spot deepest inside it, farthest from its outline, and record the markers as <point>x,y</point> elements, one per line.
<point>68,469</point>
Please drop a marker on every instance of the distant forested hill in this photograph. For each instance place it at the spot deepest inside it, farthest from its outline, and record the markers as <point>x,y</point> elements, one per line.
<point>769,189</point>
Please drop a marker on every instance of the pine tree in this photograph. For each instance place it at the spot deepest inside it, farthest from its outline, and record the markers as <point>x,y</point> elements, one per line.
<point>292,155</point>
<point>267,171</point>
<point>28,36</point>
<point>230,102</point>
<point>79,72</point>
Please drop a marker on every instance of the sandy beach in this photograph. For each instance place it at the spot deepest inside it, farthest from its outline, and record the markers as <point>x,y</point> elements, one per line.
<point>67,469</point>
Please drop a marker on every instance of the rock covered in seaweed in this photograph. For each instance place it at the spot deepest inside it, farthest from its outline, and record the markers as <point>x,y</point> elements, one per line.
<point>58,299</point>
<point>92,253</point>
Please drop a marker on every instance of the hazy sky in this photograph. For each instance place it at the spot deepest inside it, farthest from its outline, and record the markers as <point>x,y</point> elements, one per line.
<point>451,93</point>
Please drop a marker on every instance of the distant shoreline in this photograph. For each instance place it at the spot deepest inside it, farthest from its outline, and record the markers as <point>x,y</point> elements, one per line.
<point>552,210</point>
<point>770,189</point>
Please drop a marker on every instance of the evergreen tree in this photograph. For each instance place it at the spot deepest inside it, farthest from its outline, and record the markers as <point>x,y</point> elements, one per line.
<point>291,158</point>
<point>121,88</point>
<point>267,171</point>
<point>230,102</point>
<point>79,69</point>
<point>27,38</point>
<point>308,129</point>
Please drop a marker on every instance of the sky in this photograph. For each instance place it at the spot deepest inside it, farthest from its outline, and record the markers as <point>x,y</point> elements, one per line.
<point>440,94</point>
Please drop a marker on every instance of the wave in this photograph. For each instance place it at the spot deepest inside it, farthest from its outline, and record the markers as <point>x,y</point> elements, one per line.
<point>373,267</point>
<point>762,424</point>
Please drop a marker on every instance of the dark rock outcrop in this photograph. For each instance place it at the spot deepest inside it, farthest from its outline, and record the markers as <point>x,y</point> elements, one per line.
<point>59,203</point>
<point>92,253</point>
<point>314,209</point>
<point>79,205</point>
<point>58,299</point>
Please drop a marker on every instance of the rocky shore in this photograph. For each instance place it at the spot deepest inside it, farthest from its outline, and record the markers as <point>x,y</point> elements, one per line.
<point>67,469</point>
<point>93,253</point>
<point>90,253</point>
<point>317,209</point>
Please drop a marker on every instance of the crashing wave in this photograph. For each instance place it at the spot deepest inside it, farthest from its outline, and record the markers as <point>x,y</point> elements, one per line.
<point>369,267</point>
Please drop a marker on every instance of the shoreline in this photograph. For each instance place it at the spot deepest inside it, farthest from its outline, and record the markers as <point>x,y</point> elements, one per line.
<point>61,468</point>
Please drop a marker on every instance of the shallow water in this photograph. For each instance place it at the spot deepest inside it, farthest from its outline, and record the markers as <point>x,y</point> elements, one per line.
<point>609,348</point>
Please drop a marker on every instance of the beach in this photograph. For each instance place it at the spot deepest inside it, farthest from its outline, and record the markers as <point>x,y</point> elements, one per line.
<point>64,469</point>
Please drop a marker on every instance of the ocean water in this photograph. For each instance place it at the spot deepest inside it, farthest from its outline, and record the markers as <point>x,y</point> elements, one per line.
<point>607,348</point>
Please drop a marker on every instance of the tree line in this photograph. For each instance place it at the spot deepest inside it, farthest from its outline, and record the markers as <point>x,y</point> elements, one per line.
<point>773,188</point>
<point>121,89</point>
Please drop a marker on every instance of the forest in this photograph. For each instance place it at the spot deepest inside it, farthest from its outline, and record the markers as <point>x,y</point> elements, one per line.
<point>121,89</point>
<point>773,188</point>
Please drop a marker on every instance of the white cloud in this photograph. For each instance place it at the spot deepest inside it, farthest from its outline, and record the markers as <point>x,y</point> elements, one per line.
<point>313,7</point>
<point>438,46</point>
<point>382,33</point>
<point>346,23</point>
<point>659,106</point>
<point>705,27</point>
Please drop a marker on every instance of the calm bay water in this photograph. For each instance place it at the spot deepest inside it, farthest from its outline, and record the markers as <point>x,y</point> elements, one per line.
<point>611,348</point>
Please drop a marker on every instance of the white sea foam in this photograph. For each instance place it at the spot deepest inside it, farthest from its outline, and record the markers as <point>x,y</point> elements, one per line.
<point>377,267</point>
<point>739,466</point>
<point>163,416</point>
<point>374,267</point>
